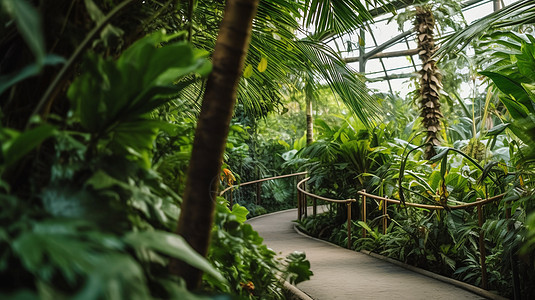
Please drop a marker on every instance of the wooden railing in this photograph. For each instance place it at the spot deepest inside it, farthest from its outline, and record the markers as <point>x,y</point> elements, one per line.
<point>302,210</point>
<point>258,186</point>
<point>302,207</point>
<point>302,194</point>
<point>479,204</point>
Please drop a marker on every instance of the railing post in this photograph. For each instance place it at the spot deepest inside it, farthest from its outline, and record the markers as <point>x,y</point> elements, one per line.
<point>297,179</point>
<point>363,213</point>
<point>314,209</point>
<point>305,206</point>
<point>299,209</point>
<point>512,257</point>
<point>299,205</point>
<point>385,216</point>
<point>349,225</point>
<point>258,189</point>
<point>482,250</point>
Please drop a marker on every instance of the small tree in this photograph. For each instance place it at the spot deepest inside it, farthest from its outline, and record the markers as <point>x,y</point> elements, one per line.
<point>196,219</point>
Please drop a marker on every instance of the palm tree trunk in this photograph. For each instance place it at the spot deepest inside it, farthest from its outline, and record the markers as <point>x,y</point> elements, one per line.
<point>310,119</point>
<point>196,218</point>
<point>430,80</point>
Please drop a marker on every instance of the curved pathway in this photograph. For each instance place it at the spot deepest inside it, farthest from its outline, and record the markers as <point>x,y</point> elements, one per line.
<point>344,274</point>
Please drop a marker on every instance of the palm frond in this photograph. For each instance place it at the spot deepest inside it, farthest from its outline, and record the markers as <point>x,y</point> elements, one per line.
<point>341,16</point>
<point>520,12</point>
<point>274,40</point>
<point>343,81</point>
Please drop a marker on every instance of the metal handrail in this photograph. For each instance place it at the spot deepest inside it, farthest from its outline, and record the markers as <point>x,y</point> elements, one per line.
<point>302,210</point>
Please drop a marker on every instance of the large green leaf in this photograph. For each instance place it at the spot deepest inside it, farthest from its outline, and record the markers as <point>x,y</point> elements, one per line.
<point>88,92</point>
<point>160,66</point>
<point>101,180</point>
<point>440,155</point>
<point>525,130</point>
<point>508,86</point>
<point>498,129</point>
<point>519,12</point>
<point>298,267</point>
<point>112,99</point>
<point>172,245</point>
<point>341,16</point>
<point>25,142</point>
<point>526,61</point>
<point>530,90</point>
<point>515,109</point>
<point>180,291</point>
<point>109,91</point>
<point>56,244</point>
<point>28,22</point>
<point>328,66</point>
<point>240,212</point>
<point>31,70</point>
<point>115,276</point>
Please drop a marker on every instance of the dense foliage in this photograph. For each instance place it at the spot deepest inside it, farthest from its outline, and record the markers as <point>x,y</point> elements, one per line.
<point>495,157</point>
<point>99,103</point>
<point>91,189</point>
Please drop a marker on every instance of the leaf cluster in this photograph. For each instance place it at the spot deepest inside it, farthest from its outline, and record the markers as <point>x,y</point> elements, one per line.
<point>96,224</point>
<point>252,269</point>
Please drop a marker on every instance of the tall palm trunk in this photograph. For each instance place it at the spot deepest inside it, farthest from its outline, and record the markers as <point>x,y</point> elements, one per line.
<point>196,219</point>
<point>309,94</point>
<point>430,80</point>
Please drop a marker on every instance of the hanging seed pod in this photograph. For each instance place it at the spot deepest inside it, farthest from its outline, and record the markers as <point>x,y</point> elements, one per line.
<point>430,79</point>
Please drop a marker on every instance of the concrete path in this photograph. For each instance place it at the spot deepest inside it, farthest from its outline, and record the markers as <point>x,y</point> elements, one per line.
<point>343,274</point>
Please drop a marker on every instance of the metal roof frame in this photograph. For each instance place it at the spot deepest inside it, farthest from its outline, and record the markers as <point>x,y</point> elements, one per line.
<point>378,50</point>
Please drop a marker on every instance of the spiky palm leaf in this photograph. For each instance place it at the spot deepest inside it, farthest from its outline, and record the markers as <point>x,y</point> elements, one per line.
<point>338,16</point>
<point>340,79</point>
<point>520,12</point>
<point>274,41</point>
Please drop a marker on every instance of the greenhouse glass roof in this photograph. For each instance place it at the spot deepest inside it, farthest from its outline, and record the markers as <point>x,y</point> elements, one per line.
<point>390,52</point>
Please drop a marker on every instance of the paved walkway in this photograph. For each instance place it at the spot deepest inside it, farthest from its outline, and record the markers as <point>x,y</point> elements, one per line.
<point>343,274</point>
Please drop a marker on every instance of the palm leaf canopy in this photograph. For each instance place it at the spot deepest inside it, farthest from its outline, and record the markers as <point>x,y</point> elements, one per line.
<point>327,66</point>
<point>340,16</point>
<point>517,13</point>
<point>276,56</point>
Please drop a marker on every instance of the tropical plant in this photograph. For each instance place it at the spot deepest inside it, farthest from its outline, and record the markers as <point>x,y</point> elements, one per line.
<point>88,216</point>
<point>276,56</point>
<point>215,115</point>
<point>517,13</point>
<point>493,160</point>
<point>251,268</point>
<point>64,247</point>
<point>340,159</point>
<point>514,79</point>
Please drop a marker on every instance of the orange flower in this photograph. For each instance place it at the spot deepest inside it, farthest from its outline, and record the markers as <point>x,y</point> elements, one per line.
<point>228,175</point>
<point>249,286</point>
